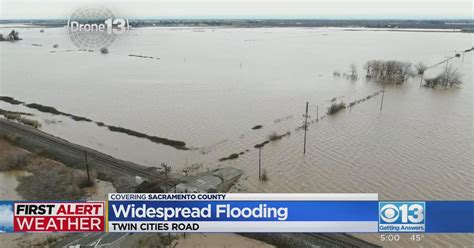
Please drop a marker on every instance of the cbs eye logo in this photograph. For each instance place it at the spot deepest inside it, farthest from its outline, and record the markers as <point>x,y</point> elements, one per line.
<point>401,212</point>
<point>389,213</point>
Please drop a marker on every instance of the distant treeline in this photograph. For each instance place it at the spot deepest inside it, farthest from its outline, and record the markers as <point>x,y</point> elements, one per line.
<point>464,24</point>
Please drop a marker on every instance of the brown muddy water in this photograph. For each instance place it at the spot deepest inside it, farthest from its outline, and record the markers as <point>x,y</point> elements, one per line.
<point>211,86</point>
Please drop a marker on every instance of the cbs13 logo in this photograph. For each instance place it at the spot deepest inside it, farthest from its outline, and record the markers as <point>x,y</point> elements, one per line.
<point>401,212</point>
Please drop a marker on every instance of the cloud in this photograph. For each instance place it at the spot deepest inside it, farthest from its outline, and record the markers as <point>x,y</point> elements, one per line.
<point>6,216</point>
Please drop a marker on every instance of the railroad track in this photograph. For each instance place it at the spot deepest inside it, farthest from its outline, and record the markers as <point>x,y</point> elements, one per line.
<point>103,159</point>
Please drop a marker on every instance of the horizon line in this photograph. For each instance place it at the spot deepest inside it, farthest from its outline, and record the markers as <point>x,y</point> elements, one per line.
<point>359,18</point>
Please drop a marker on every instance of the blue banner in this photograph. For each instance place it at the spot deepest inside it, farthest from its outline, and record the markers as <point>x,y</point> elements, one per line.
<point>405,216</point>
<point>244,210</point>
<point>450,216</point>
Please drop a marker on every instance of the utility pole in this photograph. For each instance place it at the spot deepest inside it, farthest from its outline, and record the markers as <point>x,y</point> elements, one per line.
<point>87,167</point>
<point>260,163</point>
<point>166,170</point>
<point>421,79</point>
<point>317,113</point>
<point>446,73</point>
<point>383,93</point>
<point>305,126</point>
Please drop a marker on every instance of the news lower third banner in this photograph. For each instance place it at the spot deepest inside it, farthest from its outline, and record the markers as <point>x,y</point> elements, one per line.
<point>220,213</point>
<point>243,213</point>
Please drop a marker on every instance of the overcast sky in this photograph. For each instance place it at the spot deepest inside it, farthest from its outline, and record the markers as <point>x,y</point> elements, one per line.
<point>413,9</point>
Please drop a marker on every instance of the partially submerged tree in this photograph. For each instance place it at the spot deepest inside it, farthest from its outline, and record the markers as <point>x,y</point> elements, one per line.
<point>390,71</point>
<point>353,71</point>
<point>452,76</point>
<point>166,170</point>
<point>12,36</point>
<point>449,77</point>
<point>335,107</point>
<point>420,69</point>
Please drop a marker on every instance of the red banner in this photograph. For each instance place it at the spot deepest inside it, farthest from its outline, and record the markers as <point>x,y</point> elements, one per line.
<point>59,217</point>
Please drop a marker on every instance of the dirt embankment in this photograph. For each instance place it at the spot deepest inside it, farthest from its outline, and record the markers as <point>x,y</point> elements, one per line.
<point>46,179</point>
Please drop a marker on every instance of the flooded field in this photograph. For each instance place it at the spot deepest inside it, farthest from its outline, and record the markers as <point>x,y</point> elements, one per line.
<point>209,87</point>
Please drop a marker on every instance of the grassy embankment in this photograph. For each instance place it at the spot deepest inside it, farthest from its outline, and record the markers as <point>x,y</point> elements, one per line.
<point>47,179</point>
<point>18,117</point>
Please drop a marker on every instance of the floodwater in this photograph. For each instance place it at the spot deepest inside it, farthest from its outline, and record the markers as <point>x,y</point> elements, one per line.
<point>211,86</point>
<point>9,183</point>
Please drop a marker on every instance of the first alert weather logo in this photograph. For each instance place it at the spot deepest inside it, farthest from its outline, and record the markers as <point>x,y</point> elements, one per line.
<point>59,217</point>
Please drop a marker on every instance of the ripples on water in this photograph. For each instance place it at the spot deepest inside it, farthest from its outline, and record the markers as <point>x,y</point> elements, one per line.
<point>418,147</point>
